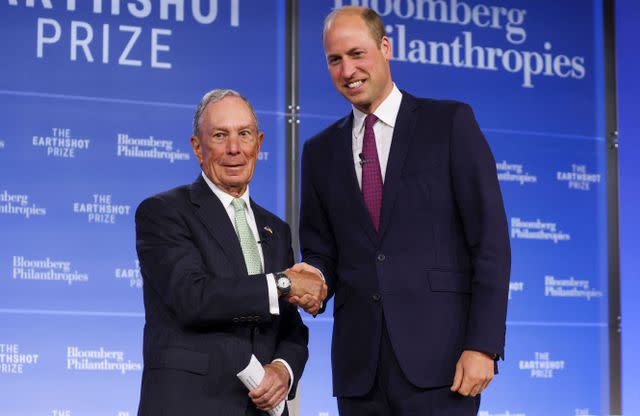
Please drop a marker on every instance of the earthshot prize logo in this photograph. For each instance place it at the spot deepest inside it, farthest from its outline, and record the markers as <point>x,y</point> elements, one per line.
<point>110,38</point>
<point>515,286</point>
<point>130,274</point>
<point>60,143</point>
<point>578,178</point>
<point>101,210</point>
<point>14,361</point>
<point>542,366</point>
<point>18,204</point>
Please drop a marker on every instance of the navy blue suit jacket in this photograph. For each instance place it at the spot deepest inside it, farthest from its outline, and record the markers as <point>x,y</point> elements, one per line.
<point>204,314</point>
<point>438,270</point>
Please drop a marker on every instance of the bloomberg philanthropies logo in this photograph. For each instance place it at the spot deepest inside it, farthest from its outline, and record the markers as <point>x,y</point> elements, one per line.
<point>514,172</point>
<point>18,204</point>
<point>537,230</point>
<point>100,359</point>
<point>149,148</point>
<point>462,51</point>
<point>46,269</point>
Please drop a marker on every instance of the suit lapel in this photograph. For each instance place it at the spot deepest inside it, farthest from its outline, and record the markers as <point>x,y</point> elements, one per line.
<point>214,216</point>
<point>402,136</point>
<point>265,234</point>
<point>347,173</point>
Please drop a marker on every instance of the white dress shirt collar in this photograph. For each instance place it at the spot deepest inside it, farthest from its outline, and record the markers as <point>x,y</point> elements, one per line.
<point>387,111</point>
<point>224,197</point>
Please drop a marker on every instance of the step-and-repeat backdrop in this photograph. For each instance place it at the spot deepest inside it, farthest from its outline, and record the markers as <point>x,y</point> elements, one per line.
<point>96,108</point>
<point>96,103</point>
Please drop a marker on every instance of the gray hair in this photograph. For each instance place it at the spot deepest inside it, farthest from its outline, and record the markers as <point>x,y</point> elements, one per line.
<point>212,97</point>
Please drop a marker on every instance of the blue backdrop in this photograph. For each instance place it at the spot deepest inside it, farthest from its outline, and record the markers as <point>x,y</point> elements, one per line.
<point>95,114</point>
<point>628,66</point>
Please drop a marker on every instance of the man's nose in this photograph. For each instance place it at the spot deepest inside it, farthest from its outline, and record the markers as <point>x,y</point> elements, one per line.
<point>348,68</point>
<point>233,144</point>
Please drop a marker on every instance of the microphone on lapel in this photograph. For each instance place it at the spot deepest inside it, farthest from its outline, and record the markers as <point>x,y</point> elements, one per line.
<point>265,234</point>
<point>362,159</point>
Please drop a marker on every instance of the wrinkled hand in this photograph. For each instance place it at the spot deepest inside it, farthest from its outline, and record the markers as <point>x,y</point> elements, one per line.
<point>310,304</point>
<point>474,372</point>
<point>273,388</point>
<point>308,289</point>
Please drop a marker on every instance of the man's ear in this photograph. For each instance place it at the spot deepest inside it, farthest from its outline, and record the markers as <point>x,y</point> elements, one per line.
<point>385,47</point>
<point>197,148</point>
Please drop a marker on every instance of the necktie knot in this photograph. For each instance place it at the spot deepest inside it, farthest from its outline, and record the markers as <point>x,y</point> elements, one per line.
<point>370,120</point>
<point>238,204</point>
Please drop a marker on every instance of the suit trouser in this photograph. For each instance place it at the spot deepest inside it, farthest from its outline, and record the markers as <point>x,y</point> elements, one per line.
<point>393,394</point>
<point>252,411</point>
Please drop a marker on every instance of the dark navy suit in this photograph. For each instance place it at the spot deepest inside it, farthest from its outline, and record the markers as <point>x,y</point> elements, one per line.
<point>436,275</point>
<point>204,315</point>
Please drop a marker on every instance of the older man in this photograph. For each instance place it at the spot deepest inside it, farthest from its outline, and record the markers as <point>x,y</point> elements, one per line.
<point>211,260</point>
<point>402,212</point>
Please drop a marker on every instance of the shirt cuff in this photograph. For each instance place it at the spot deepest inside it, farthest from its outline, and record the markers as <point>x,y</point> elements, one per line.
<point>280,360</point>
<point>324,280</point>
<point>274,307</point>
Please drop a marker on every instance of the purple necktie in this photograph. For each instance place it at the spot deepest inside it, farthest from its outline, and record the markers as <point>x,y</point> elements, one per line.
<point>371,176</point>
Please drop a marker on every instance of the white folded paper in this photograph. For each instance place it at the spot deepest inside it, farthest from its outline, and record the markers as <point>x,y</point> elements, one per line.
<point>252,376</point>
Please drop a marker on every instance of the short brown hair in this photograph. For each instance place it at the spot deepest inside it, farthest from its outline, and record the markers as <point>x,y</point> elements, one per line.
<point>369,16</point>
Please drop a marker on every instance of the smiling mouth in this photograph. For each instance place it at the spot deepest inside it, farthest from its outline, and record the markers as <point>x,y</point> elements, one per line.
<point>354,84</point>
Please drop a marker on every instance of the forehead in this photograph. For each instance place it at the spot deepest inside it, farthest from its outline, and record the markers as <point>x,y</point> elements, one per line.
<point>347,31</point>
<point>229,112</point>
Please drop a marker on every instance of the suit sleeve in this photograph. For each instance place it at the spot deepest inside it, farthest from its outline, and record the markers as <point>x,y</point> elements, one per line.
<point>172,266</point>
<point>317,241</point>
<point>479,201</point>
<point>293,335</point>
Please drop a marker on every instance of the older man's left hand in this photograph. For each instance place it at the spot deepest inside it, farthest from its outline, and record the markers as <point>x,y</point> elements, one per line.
<point>273,389</point>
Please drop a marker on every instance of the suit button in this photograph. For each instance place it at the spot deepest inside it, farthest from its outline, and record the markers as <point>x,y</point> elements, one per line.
<point>381,257</point>
<point>377,297</point>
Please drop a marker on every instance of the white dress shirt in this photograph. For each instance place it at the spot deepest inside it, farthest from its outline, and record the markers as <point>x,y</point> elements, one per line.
<point>387,113</point>
<point>227,200</point>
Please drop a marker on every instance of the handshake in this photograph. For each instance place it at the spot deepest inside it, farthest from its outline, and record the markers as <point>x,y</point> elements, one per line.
<point>308,288</point>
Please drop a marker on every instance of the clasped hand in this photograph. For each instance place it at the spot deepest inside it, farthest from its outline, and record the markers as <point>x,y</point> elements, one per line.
<point>273,388</point>
<point>308,289</point>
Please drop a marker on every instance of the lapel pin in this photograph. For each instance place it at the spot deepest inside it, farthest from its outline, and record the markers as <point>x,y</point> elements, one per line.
<point>268,230</point>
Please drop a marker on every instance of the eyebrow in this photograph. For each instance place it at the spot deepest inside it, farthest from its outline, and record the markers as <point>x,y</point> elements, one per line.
<point>244,127</point>
<point>349,52</point>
